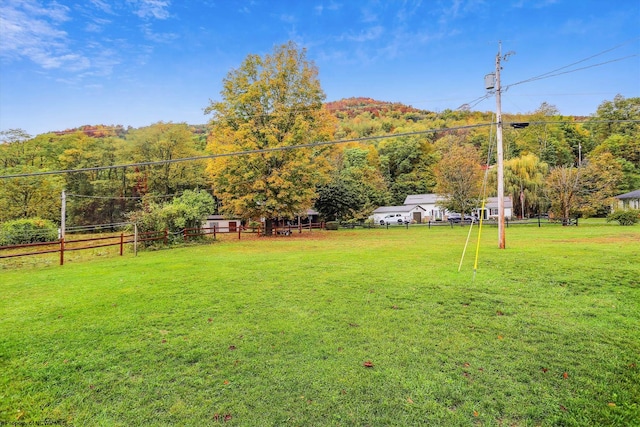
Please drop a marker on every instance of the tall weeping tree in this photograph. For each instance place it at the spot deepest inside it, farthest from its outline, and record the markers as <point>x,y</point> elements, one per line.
<point>524,178</point>
<point>268,104</point>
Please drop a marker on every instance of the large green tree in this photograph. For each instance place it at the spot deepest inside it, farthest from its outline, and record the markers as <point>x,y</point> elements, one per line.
<point>407,164</point>
<point>357,186</point>
<point>158,142</point>
<point>269,103</point>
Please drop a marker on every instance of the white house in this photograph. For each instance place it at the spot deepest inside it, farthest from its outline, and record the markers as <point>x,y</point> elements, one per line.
<point>491,208</point>
<point>413,213</point>
<point>434,212</point>
<point>628,200</point>
<point>429,202</point>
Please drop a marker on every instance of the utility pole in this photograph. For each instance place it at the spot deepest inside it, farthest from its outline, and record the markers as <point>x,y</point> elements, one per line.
<point>63,214</point>
<point>500,154</point>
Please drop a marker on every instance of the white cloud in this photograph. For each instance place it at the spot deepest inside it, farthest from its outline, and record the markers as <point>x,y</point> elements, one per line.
<point>31,31</point>
<point>150,35</point>
<point>152,8</point>
<point>368,34</point>
<point>103,6</point>
<point>289,19</point>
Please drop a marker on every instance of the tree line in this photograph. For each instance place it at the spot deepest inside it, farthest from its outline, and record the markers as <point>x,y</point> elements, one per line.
<point>273,107</point>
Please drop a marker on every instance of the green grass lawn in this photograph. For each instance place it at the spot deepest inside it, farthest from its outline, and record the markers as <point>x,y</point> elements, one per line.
<point>278,331</point>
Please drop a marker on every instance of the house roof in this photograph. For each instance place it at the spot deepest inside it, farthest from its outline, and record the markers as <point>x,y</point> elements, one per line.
<point>492,202</point>
<point>394,209</point>
<point>421,199</point>
<point>430,199</point>
<point>632,195</point>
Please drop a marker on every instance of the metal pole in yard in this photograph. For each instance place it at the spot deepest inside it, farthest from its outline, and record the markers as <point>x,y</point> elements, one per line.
<point>135,239</point>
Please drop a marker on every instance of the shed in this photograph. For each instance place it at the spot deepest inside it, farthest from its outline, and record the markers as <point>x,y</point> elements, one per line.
<point>629,200</point>
<point>222,224</point>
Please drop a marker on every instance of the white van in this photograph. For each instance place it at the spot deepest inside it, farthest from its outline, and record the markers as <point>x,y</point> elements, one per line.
<point>394,219</point>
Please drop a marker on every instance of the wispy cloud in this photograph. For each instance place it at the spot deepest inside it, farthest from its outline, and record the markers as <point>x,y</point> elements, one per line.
<point>30,30</point>
<point>331,6</point>
<point>157,9</point>
<point>150,35</point>
<point>366,35</point>
<point>103,6</point>
<point>289,19</point>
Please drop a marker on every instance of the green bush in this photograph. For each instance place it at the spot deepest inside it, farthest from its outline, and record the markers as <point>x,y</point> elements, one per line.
<point>332,225</point>
<point>30,230</point>
<point>625,217</point>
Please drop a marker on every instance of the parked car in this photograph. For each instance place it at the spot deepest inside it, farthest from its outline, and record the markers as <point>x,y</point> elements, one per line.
<point>394,219</point>
<point>456,217</point>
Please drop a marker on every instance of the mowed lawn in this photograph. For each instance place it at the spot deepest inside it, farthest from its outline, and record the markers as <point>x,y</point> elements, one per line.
<point>346,328</point>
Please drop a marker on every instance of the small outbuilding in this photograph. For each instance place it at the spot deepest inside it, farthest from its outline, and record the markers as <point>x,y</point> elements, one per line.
<point>629,200</point>
<point>222,224</point>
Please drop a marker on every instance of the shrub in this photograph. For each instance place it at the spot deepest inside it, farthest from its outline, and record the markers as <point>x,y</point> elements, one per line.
<point>624,217</point>
<point>332,225</point>
<point>30,230</point>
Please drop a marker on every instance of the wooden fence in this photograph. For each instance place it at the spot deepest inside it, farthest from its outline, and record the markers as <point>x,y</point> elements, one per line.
<point>68,245</point>
<point>63,245</point>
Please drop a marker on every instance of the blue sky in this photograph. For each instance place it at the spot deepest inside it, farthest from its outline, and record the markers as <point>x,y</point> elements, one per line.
<point>64,64</point>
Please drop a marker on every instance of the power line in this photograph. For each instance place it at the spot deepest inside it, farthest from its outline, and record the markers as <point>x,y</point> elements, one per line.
<point>245,152</point>
<point>554,73</point>
<point>294,147</point>
<point>550,73</point>
<point>85,196</point>
<point>547,75</point>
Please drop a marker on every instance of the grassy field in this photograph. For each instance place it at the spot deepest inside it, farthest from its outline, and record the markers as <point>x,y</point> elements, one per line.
<point>346,328</point>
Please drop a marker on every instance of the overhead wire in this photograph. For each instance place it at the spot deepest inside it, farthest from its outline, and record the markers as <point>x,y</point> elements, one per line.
<point>86,196</point>
<point>246,152</point>
<point>293,147</point>
<point>555,72</point>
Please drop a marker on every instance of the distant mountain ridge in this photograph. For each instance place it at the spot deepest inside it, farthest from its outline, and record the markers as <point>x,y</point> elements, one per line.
<point>353,106</point>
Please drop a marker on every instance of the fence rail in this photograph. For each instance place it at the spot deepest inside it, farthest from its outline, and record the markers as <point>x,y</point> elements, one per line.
<point>83,243</point>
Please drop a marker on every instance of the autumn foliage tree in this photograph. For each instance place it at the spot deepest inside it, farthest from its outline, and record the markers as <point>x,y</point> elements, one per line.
<point>269,104</point>
<point>459,179</point>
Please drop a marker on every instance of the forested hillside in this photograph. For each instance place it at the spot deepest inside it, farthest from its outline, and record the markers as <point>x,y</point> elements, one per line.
<point>602,151</point>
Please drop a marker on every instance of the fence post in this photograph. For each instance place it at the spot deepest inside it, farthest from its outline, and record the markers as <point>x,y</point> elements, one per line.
<point>184,234</point>
<point>239,230</point>
<point>214,232</point>
<point>166,236</point>
<point>121,242</point>
<point>62,251</point>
